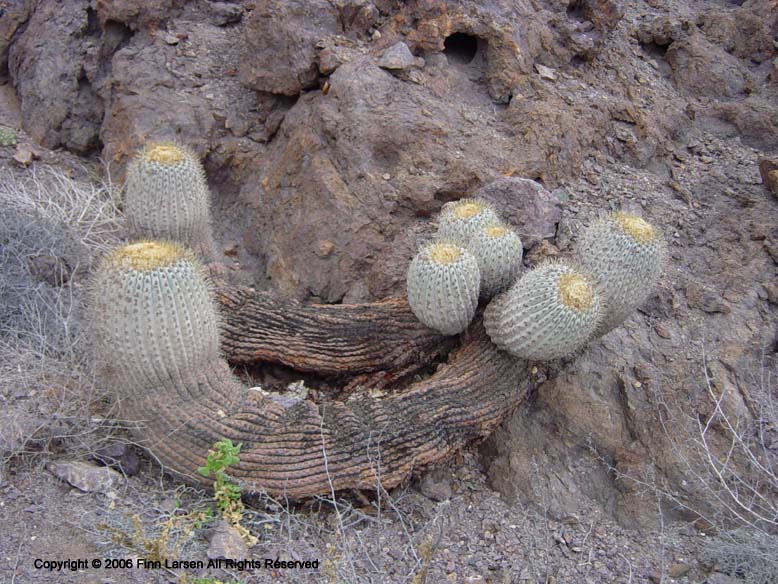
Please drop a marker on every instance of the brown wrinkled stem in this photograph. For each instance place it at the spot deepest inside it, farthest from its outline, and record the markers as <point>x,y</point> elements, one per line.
<point>326,339</point>
<point>299,448</point>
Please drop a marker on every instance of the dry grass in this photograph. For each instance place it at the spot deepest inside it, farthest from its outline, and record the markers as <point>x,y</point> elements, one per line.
<point>48,392</point>
<point>724,447</point>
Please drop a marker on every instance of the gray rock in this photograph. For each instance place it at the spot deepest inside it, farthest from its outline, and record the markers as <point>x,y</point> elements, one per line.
<point>226,542</point>
<point>546,73</point>
<point>120,456</point>
<point>398,57</point>
<point>86,477</point>
<point>526,205</point>
<point>223,13</point>
<point>436,485</point>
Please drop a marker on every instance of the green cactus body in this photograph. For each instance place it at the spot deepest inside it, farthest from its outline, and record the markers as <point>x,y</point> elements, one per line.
<point>460,220</point>
<point>550,312</point>
<point>625,254</point>
<point>443,284</point>
<point>167,197</point>
<point>498,251</point>
<point>152,314</point>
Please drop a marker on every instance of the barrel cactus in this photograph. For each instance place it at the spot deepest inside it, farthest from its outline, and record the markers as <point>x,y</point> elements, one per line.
<point>498,251</point>
<point>625,254</point>
<point>460,220</point>
<point>443,285</point>
<point>167,197</point>
<point>550,312</point>
<point>152,315</point>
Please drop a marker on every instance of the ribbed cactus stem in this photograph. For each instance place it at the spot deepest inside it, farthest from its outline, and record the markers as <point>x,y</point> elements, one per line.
<point>460,220</point>
<point>153,315</point>
<point>625,254</point>
<point>498,251</point>
<point>167,197</point>
<point>443,284</point>
<point>550,312</point>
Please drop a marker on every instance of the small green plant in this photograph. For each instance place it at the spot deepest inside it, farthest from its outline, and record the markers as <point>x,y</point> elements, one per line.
<point>8,137</point>
<point>226,493</point>
<point>185,579</point>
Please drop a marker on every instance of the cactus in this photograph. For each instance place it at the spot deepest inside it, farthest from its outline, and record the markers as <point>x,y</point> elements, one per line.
<point>460,220</point>
<point>625,254</point>
<point>443,284</point>
<point>152,314</point>
<point>498,251</point>
<point>550,312</point>
<point>167,197</point>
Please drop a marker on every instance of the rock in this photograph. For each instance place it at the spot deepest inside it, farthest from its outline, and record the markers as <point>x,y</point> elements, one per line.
<point>223,13</point>
<point>59,103</point>
<point>337,189</point>
<point>120,456</point>
<point>772,292</point>
<point>333,52</point>
<point>662,330</point>
<point>14,14</point>
<point>136,14</point>
<point>545,72</point>
<point>436,485</point>
<point>226,542</point>
<point>746,32</point>
<point>754,119</point>
<point>24,155</point>
<point>768,169</point>
<point>50,269</point>
<point>704,299</point>
<point>678,570</point>
<point>86,477</point>
<point>526,205</point>
<point>279,55</point>
<point>664,30</point>
<point>398,57</point>
<point>704,69</point>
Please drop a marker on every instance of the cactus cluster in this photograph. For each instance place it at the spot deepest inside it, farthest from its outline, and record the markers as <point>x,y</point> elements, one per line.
<point>474,229</point>
<point>167,197</point>
<point>443,285</point>
<point>152,314</point>
<point>551,311</point>
<point>625,254</point>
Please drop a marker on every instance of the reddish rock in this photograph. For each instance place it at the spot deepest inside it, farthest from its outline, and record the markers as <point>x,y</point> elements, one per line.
<point>279,55</point>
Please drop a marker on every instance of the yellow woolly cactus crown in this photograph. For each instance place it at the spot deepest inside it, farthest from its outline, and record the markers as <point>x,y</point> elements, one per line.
<point>575,292</point>
<point>495,231</point>
<point>164,153</point>
<point>147,255</point>
<point>639,229</point>
<point>468,208</point>
<point>444,253</point>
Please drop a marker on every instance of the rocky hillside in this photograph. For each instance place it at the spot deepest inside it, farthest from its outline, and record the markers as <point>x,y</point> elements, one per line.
<point>332,131</point>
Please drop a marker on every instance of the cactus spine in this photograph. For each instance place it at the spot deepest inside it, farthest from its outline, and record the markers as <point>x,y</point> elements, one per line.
<point>550,312</point>
<point>625,254</point>
<point>443,285</point>
<point>167,197</point>
<point>460,220</point>
<point>498,251</point>
<point>152,314</point>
